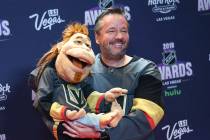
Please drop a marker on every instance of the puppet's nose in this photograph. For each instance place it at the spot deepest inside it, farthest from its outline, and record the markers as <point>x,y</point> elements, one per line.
<point>86,47</point>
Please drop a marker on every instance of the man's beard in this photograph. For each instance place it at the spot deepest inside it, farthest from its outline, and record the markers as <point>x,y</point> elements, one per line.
<point>115,55</point>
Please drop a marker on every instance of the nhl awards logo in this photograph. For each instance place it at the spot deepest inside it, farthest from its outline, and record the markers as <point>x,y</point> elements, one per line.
<point>3,137</point>
<point>173,72</point>
<point>204,6</point>
<point>5,32</point>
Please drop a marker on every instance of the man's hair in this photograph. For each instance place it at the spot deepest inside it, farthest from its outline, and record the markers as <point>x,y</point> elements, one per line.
<point>108,11</point>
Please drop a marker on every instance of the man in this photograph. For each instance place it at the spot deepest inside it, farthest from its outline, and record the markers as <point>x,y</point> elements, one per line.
<point>114,68</point>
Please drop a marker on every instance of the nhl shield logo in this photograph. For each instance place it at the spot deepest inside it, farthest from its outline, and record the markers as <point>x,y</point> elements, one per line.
<point>104,4</point>
<point>169,57</point>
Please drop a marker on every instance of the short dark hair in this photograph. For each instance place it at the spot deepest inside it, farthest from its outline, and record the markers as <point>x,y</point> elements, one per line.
<point>107,12</point>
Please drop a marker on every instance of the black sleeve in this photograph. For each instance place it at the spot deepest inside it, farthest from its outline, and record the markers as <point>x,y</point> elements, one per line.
<point>132,127</point>
<point>32,79</point>
<point>135,126</point>
<point>149,88</point>
<point>44,91</point>
<point>31,82</point>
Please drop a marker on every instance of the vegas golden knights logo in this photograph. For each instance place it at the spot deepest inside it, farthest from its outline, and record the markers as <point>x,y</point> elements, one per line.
<point>74,96</point>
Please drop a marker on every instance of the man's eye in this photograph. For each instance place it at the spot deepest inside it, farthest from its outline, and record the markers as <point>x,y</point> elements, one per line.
<point>111,31</point>
<point>124,31</point>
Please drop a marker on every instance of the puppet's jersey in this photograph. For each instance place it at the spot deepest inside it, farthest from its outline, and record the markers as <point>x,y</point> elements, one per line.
<point>71,96</point>
<point>143,104</point>
<point>55,94</point>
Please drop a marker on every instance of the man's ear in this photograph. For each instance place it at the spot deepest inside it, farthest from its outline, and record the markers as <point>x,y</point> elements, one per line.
<point>96,38</point>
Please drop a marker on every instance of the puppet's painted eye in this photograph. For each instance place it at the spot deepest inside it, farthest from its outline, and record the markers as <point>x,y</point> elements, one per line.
<point>78,42</point>
<point>88,45</point>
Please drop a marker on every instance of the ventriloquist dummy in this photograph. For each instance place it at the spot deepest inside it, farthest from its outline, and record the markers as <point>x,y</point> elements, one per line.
<point>61,90</point>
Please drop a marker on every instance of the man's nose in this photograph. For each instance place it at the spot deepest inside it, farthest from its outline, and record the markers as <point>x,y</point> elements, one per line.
<point>119,35</point>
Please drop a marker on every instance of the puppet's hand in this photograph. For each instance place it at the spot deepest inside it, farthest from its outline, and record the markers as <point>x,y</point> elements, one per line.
<point>113,93</point>
<point>106,119</point>
<point>120,113</point>
<point>112,118</point>
<point>73,115</point>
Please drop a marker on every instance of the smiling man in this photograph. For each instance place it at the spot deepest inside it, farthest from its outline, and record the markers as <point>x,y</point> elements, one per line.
<point>114,68</point>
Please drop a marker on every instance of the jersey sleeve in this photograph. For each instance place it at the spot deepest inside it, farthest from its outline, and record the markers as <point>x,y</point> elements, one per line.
<point>148,95</point>
<point>44,96</point>
<point>147,109</point>
<point>97,103</point>
<point>52,112</point>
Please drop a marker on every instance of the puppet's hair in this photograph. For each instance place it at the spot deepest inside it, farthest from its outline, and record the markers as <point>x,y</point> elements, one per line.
<point>74,28</point>
<point>70,30</point>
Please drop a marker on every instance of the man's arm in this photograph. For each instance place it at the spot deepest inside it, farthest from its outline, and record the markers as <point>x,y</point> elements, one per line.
<point>147,109</point>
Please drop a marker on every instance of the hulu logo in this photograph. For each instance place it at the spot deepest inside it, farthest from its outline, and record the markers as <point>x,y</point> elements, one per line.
<point>173,92</point>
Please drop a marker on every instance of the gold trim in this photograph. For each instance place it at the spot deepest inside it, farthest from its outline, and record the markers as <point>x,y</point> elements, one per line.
<point>152,109</point>
<point>55,127</point>
<point>55,111</point>
<point>93,99</point>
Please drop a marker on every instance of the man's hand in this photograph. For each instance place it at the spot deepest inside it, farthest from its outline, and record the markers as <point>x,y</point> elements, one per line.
<point>78,130</point>
<point>113,93</point>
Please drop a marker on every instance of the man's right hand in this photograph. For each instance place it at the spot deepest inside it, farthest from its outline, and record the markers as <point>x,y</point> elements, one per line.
<point>78,130</point>
<point>114,93</point>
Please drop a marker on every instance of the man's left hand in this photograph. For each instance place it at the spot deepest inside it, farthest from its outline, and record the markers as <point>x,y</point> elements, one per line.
<point>78,130</point>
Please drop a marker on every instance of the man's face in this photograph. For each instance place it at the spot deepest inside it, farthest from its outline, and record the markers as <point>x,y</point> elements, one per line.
<point>113,36</point>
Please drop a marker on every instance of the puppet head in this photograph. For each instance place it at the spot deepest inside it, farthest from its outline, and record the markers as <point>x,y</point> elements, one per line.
<point>75,55</point>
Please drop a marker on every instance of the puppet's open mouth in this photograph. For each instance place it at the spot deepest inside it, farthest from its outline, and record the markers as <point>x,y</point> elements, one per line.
<point>77,62</point>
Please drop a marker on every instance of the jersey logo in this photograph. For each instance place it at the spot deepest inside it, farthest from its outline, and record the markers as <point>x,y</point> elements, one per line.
<point>74,96</point>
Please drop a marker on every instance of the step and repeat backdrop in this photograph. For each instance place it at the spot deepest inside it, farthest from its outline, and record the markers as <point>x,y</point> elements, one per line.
<point>175,34</point>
